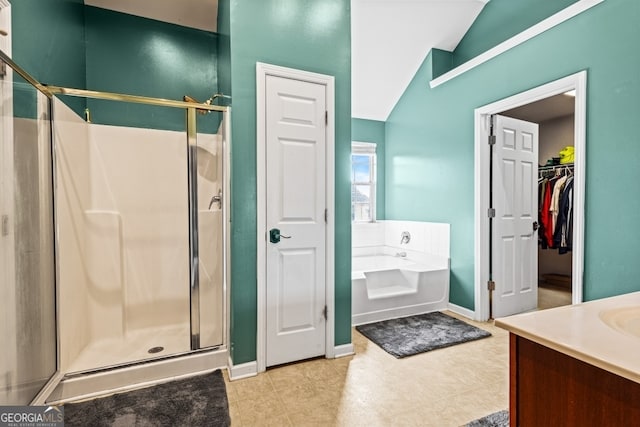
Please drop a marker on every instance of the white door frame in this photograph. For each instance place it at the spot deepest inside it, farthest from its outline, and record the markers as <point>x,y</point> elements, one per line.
<point>262,71</point>
<point>577,82</point>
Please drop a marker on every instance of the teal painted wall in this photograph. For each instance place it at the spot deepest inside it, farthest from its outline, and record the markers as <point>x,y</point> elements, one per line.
<point>373,131</point>
<point>314,36</point>
<point>48,43</point>
<point>25,99</point>
<point>139,56</point>
<point>501,20</point>
<point>66,43</point>
<point>441,61</point>
<point>430,137</point>
<point>224,47</point>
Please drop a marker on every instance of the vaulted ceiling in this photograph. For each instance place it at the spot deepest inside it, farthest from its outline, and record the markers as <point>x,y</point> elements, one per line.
<point>389,41</point>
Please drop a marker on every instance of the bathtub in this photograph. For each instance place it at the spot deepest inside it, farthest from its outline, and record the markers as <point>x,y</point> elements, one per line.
<point>386,287</point>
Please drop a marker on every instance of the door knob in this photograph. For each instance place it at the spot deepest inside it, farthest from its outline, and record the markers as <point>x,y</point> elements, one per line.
<point>535,225</point>
<point>274,235</point>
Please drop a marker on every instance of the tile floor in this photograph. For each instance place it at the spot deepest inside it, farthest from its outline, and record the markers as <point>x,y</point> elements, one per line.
<point>446,387</point>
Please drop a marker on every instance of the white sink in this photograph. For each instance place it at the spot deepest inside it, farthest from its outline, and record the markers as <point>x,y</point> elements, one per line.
<point>623,319</point>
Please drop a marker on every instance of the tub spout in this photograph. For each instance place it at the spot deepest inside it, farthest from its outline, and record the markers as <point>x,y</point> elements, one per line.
<point>401,254</point>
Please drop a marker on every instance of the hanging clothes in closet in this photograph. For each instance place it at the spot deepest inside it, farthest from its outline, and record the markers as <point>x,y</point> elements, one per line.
<point>555,213</point>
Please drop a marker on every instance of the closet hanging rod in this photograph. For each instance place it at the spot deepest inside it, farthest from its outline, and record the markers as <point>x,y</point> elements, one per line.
<point>552,167</point>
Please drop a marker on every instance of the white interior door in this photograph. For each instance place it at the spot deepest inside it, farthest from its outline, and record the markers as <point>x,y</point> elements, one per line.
<point>295,219</point>
<point>515,200</point>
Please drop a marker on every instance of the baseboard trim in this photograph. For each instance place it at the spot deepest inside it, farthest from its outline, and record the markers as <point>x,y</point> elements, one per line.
<point>461,311</point>
<point>343,350</point>
<point>243,370</point>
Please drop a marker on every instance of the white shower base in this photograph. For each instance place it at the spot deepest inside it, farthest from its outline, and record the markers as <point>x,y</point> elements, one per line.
<point>133,347</point>
<point>87,386</point>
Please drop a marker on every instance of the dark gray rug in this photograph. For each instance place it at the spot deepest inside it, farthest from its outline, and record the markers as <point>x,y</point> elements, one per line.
<point>196,401</point>
<point>497,419</point>
<point>411,335</point>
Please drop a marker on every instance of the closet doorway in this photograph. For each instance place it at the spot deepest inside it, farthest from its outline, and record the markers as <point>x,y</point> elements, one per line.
<point>555,117</point>
<point>558,110</point>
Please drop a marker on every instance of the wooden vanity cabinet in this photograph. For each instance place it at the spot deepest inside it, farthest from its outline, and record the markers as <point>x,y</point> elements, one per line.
<point>549,388</point>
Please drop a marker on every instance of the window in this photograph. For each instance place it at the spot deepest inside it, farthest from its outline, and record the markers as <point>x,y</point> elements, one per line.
<point>363,181</point>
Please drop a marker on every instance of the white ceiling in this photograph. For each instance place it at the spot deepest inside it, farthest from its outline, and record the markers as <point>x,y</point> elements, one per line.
<point>389,39</point>
<point>200,14</point>
<point>546,109</point>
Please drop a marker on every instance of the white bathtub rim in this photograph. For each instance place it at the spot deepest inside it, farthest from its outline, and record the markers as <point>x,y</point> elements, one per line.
<point>392,251</point>
<point>431,264</point>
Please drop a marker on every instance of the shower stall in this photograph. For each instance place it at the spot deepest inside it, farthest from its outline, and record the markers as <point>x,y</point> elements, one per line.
<point>132,285</point>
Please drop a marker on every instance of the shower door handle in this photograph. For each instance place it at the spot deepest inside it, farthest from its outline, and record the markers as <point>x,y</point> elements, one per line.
<point>216,199</point>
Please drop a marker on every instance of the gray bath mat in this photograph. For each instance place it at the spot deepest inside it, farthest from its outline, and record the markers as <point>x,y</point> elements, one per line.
<point>497,419</point>
<point>411,335</point>
<point>196,401</point>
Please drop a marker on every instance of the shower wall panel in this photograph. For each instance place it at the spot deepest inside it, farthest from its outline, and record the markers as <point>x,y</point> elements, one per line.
<point>139,199</point>
<point>73,199</point>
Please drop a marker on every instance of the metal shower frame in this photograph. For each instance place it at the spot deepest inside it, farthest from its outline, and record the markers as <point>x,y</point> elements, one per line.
<point>192,164</point>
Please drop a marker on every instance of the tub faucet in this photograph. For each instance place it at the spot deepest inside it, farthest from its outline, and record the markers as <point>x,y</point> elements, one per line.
<point>405,237</point>
<point>401,254</point>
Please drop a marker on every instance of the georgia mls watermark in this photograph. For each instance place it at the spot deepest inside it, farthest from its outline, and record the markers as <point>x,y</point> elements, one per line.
<point>31,416</point>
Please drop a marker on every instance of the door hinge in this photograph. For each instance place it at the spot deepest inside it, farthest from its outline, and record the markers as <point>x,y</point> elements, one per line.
<point>326,118</point>
<point>492,136</point>
<point>3,69</point>
<point>491,285</point>
<point>491,212</point>
<point>326,216</point>
<point>5,225</point>
<point>325,312</point>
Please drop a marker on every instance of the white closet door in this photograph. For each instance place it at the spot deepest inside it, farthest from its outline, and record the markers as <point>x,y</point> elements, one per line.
<point>515,199</point>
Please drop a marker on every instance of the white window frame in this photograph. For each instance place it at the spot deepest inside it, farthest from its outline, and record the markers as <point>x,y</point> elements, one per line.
<point>368,149</point>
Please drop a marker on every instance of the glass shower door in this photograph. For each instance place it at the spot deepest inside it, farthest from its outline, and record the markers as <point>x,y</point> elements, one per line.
<point>211,202</point>
<point>28,359</point>
<point>124,238</point>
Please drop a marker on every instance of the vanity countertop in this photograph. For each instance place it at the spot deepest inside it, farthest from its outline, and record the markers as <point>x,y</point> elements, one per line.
<point>604,333</point>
